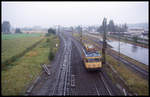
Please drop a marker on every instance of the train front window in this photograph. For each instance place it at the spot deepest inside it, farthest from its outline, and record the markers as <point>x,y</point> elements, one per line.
<point>93,60</point>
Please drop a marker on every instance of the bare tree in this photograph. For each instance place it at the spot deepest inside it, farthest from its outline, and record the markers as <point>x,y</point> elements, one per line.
<point>111,26</point>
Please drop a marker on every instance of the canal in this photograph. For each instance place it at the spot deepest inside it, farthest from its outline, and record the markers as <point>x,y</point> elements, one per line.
<point>136,52</point>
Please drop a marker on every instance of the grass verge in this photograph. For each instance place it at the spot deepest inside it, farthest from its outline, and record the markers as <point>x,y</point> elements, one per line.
<point>135,83</point>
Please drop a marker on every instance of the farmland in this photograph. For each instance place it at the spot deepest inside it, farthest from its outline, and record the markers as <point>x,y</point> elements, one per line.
<point>14,45</point>
<point>13,36</point>
<point>27,67</point>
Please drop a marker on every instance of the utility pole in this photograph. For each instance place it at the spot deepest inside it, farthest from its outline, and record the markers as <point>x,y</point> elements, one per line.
<point>81,34</point>
<point>104,26</point>
<point>59,30</point>
<point>72,30</point>
<point>119,50</point>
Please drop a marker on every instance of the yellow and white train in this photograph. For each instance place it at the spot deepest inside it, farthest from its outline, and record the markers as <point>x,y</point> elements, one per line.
<point>91,57</point>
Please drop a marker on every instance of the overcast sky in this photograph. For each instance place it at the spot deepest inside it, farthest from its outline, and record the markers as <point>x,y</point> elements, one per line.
<point>45,14</point>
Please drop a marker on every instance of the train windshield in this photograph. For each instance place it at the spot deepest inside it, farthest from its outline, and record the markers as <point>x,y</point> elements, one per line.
<point>93,60</point>
<point>92,54</point>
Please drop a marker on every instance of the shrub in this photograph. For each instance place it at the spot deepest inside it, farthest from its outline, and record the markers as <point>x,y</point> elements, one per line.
<point>48,40</point>
<point>51,55</point>
<point>51,31</point>
<point>47,34</point>
<point>135,38</point>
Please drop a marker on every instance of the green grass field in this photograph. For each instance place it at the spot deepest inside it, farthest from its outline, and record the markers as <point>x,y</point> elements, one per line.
<point>13,36</point>
<point>16,79</point>
<point>15,46</point>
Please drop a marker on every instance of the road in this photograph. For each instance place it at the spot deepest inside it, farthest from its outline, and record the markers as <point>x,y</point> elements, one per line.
<point>68,75</point>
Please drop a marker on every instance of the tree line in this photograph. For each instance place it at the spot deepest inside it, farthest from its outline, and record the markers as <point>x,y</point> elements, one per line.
<point>6,28</point>
<point>111,27</point>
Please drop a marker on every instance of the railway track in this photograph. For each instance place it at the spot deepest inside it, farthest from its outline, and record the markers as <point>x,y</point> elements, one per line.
<point>101,86</point>
<point>68,75</point>
<point>96,82</point>
<point>143,73</point>
<point>58,82</point>
<point>63,79</point>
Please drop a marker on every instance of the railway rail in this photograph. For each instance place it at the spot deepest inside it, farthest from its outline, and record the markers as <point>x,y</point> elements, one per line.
<point>130,65</point>
<point>63,80</point>
<point>69,77</point>
<point>143,73</point>
<point>100,85</point>
<point>58,82</point>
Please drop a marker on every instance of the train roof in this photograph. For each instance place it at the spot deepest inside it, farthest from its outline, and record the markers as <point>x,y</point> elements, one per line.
<point>91,53</point>
<point>89,45</point>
